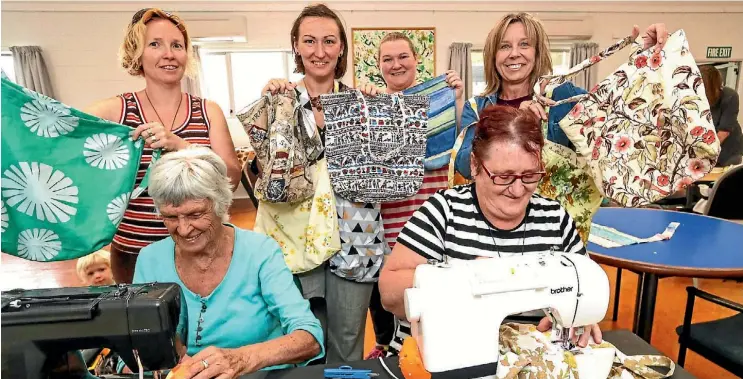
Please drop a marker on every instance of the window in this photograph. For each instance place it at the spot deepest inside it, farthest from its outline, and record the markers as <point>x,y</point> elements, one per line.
<point>6,64</point>
<point>560,65</point>
<point>234,79</point>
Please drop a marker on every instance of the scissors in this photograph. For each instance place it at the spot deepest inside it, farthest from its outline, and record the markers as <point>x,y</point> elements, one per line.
<point>349,372</point>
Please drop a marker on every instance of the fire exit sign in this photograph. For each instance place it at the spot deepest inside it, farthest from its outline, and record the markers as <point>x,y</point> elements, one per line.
<point>719,52</point>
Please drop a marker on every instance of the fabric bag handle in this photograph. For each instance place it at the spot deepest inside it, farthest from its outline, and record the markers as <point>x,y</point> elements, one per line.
<point>146,180</point>
<point>553,81</point>
<point>400,101</point>
<point>641,365</point>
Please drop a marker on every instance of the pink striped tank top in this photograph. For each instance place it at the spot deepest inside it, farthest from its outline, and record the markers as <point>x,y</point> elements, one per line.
<point>141,224</point>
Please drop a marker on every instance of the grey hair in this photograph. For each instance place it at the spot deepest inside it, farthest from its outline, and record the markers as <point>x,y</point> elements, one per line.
<point>195,173</point>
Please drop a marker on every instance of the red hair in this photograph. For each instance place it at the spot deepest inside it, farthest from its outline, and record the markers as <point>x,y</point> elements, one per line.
<point>500,123</point>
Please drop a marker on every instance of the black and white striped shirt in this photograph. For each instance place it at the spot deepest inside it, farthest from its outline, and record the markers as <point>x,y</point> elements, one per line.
<point>451,224</point>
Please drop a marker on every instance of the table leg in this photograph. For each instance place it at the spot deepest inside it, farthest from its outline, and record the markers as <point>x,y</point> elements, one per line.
<point>647,290</point>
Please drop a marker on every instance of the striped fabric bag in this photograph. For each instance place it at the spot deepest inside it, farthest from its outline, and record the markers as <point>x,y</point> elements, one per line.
<point>442,120</point>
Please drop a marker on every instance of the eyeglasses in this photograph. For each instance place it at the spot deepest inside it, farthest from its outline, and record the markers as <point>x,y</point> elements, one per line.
<point>508,179</point>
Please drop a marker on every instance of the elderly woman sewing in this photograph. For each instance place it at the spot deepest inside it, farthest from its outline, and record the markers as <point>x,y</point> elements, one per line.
<point>245,312</point>
<point>497,215</point>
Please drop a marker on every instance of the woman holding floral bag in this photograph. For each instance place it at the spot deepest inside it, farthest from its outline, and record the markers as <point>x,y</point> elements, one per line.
<point>339,288</point>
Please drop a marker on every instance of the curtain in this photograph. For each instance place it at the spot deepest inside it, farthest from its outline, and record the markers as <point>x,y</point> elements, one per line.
<point>193,85</point>
<point>579,52</point>
<point>30,69</point>
<point>460,60</point>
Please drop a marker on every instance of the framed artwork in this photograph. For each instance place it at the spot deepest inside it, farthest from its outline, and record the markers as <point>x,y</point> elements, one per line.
<point>365,45</point>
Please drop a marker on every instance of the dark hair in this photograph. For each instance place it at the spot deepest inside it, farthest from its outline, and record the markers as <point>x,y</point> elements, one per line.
<point>712,79</point>
<point>320,10</point>
<point>500,123</point>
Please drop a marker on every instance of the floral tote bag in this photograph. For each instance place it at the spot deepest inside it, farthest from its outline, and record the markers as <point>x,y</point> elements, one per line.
<point>646,130</point>
<point>67,177</point>
<point>308,231</point>
<point>528,353</point>
<point>283,147</point>
<point>375,145</point>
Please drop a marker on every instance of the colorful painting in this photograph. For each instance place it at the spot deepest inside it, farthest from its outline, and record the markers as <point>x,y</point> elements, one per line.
<point>365,45</point>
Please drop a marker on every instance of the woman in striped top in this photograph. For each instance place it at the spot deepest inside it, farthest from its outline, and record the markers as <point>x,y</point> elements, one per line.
<point>157,47</point>
<point>497,215</point>
<point>397,60</point>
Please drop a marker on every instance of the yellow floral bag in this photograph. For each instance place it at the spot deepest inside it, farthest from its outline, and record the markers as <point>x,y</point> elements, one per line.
<point>308,231</point>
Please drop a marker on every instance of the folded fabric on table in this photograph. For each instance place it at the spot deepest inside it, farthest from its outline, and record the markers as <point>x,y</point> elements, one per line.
<point>607,237</point>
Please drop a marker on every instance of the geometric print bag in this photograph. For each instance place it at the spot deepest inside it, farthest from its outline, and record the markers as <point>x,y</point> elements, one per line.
<point>67,177</point>
<point>646,130</point>
<point>375,145</point>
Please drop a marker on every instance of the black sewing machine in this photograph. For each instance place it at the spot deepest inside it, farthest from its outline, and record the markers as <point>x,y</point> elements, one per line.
<point>44,330</point>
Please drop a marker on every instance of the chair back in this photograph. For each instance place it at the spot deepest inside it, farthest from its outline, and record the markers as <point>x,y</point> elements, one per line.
<point>726,199</point>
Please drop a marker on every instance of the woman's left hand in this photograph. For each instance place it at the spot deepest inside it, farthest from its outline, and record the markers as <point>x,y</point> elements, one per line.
<point>655,35</point>
<point>213,362</point>
<point>454,81</point>
<point>590,331</point>
<point>156,136</point>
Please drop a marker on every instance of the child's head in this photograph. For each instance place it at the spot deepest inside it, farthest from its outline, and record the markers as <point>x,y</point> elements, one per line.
<point>95,269</point>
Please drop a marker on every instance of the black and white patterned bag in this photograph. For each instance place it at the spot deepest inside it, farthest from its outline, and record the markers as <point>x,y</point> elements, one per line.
<point>375,145</point>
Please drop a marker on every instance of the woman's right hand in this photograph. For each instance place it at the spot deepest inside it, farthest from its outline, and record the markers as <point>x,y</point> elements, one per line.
<point>276,86</point>
<point>535,107</point>
<point>368,89</point>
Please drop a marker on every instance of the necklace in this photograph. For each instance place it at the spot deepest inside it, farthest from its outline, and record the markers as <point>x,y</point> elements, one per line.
<point>172,124</point>
<point>490,233</point>
<point>314,100</point>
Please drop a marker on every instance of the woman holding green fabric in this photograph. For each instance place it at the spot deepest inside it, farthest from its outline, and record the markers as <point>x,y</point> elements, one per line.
<point>157,48</point>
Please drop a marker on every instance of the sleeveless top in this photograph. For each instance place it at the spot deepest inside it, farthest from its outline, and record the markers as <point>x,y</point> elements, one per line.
<point>141,224</point>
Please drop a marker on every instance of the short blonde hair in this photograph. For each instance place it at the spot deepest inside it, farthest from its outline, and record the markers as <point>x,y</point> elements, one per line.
<point>395,36</point>
<point>537,37</point>
<point>100,256</point>
<point>195,173</point>
<point>131,50</point>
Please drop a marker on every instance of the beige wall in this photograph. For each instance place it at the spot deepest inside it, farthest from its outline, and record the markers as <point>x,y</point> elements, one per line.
<point>80,39</point>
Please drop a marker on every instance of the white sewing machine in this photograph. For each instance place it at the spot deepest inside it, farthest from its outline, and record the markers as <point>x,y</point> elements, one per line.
<point>458,306</point>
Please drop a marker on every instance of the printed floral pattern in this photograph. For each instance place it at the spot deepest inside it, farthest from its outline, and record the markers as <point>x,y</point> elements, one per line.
<point>307,232</point>
<point>527,353</point>
<point>38,244</point>
<point>646,130</point>
<point>106,151</point>
<point>567,181</point>
<point>116,208</point>
<point>366,46</point>
<point>51,196</point>
<point>38,189</point>
<point>47,118</point>
<point>4,218</point>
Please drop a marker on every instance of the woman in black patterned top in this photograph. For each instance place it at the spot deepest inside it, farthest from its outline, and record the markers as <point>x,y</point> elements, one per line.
<point>498,215</point>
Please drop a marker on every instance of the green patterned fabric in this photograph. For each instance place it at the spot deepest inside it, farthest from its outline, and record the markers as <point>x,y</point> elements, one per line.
<point>67,177</point>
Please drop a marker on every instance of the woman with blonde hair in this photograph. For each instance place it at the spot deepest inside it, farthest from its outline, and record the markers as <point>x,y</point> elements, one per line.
<point>724,105</point>
<point>516,54</point>
<point>157,48</point>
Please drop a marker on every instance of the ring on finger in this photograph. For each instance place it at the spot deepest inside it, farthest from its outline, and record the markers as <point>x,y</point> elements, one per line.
<point>205,363</point>
<point>153,138</point>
